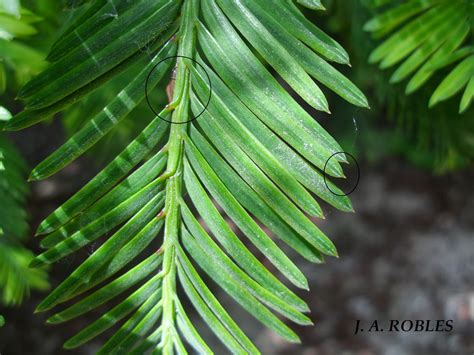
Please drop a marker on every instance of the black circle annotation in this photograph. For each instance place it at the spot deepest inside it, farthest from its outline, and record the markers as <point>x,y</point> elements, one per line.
<point>147,95</point>
<point>358,174</point>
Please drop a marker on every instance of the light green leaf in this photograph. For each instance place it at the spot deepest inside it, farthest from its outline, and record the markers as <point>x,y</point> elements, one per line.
<point>272,195</point>
<point>128,187</point>
<point>209,307</point>
<point>244,74</point>
<point>214,262</point>
<point>188,331</point>
<point>147,295</point>
<point>274,53</point>
<point>103,224</point>
<point>438,36</point>
<point>454,82</point>
<point>107,178</point>
<point>210,318</point>
<point>445,51</point>
<point>389,20</point>
<point>105,120</point>
<point>292,162</point>
<point>99,14</point>
<point>238,250</point>
<point>306,31</point>
<point>137,326</point>
<point>99,54</point>
<point>467,96</point>
<point>113,289</point>
<point>252,201</point>
<point>235,211</point>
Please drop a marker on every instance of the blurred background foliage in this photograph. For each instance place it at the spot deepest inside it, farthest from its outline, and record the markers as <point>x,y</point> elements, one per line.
<point>20,59</point>
<point>27,30</point>
<point>439,138</point>
<point>16,278</point>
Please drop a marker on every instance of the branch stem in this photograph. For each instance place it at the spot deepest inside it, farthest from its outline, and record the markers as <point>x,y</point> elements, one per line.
<point>173,174</point>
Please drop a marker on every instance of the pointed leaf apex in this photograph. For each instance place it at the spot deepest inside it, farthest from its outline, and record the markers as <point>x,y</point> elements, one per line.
<point>433,101</point>
<point>34,176</point>
<point>40,308</point>
<point>43,228</point>
<point>54,320</point>
<point>69,345</point>
<point>395,78</point>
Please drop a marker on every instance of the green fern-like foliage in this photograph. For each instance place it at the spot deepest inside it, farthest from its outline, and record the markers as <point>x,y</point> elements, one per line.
<point>425,36</point>
<point>16,278</point>
<point>253,151</point>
